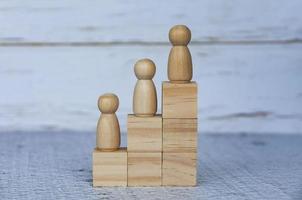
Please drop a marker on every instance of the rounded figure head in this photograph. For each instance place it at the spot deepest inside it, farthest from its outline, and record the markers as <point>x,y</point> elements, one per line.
<point>144,69</point>
<point>180,35</point>
<point>108,103</point>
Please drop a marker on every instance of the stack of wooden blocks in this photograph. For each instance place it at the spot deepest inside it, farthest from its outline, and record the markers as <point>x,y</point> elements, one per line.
<point>179,110</point>
<point>161,148</point>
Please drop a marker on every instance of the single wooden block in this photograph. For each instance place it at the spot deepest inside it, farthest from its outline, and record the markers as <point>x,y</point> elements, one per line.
<point>109,168</point>
<point>144,169</point>
<point>180,135</point>
<point>179,169</point>
<point>144,134</point>
<point>179,100</point>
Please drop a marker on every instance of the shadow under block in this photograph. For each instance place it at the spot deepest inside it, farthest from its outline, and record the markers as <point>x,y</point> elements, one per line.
<point>179,169</point>
<point>144,134</point>
<point>179,135</point>
<point>109,168</point>
<point>144,169</point>
<point>179,100</point>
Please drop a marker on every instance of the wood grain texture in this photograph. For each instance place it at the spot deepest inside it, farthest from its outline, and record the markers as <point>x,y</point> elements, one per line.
<point>109,168</point>
<point>180,135</point>
<point>179,169</point>
<point>144,134</point>
<point>180,60</point>
<point>108,128</point>
<point>108,133</point>
<point>144,169</point>
<point>144,95</point>
<point>179,100</point>
<point>180,65</point>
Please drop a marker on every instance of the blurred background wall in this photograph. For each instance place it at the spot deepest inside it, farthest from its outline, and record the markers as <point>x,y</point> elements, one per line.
<point>57,57</point>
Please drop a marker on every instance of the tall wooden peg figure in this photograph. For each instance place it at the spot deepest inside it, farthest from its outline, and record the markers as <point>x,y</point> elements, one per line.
<point>144,97</point>
<point>108,128</point>
<point>180,60</point>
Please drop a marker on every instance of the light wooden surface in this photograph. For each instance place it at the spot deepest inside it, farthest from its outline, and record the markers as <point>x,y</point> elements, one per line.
<point>144,168</point>
<point>144,134</point>
<point>108,128</point>
<point>57,165</point>
<point>109,168</point>
<point>179,169</point>
<point>144,95</point>
<point>180,135</point>
<point>180,60</point>
<point>179,100</point>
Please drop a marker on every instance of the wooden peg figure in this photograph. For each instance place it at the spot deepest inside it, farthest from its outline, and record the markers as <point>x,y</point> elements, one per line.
<point>144,97</point>
<point>108,128</point>
<point>180,61</point>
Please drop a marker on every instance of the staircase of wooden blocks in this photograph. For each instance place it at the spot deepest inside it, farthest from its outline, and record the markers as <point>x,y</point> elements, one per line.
<point>161,148</point>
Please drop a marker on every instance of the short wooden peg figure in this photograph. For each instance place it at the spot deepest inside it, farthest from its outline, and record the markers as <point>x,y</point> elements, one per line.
<point>144,97</point>
<point>108,128</point>
<point>180,60</point>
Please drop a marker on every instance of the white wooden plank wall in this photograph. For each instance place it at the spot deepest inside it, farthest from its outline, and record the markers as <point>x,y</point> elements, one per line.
<point>247,59</point>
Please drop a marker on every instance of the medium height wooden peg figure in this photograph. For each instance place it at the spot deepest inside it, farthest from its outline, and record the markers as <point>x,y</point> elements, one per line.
<point>108,128</point>
<point>144,97</point>
<point>180,61</point>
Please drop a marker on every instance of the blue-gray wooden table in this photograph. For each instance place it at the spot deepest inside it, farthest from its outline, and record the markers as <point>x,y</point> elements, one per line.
<point>57,165</point>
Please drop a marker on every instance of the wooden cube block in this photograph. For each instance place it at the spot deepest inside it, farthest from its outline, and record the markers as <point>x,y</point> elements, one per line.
<point>179,100</point>
<point>144,134</point>
<point>144,169</point>
<point>179,135</point>
<point>179,169</point>
<point>109,168</point>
